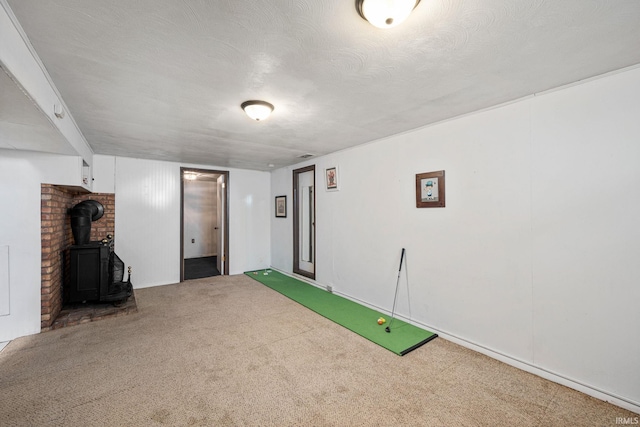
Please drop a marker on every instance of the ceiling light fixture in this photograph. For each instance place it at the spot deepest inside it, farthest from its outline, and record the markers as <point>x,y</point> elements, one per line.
<point>385,13</point>
<point>257,110</point>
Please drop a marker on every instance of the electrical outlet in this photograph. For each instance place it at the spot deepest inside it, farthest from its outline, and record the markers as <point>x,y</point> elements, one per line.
<point>329,288</point>
<point>193,240</point>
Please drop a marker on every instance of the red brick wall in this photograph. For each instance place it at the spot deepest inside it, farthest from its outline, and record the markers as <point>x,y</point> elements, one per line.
<point>57,237</point>
<point>106,224</point>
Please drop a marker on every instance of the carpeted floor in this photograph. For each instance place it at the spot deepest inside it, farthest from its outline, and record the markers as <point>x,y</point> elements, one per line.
<point>228,351</point>
<point>198,268</point>
<point>401,339</point>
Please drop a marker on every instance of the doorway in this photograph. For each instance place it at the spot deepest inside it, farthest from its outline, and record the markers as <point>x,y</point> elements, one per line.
<point>204,223</point>
<point>304,221</point>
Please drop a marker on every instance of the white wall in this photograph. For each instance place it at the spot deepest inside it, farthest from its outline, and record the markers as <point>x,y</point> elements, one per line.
<point>147,235</point>
<point>534,258</point>
<point>200,219</point>
<point>585,160</point>
<point>282,228</point>
<point>249,214</point>
<point>147,223</point>
<point>21,174</point>
<point>104,178</point>
<point>18,57</point>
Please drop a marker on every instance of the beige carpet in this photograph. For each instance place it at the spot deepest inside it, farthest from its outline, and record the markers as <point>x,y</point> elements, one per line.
<point>229,351</point>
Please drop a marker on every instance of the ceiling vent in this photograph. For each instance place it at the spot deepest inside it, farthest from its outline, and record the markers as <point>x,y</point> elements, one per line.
<point>305,156</point>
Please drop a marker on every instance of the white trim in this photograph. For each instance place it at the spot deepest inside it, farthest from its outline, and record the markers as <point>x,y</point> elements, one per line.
<point>470,113</point>
<point>494,354</point>
<point>536,370</point>
<point>38,87</point>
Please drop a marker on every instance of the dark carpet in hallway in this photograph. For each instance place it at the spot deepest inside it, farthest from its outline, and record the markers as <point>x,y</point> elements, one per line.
<point>197,268</point>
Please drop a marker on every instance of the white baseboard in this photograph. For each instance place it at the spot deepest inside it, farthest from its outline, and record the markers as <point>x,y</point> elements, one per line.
<point>494,354</point>
<point>536,370</point>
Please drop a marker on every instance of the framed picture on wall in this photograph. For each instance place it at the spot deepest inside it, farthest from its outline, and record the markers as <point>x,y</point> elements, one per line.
<point>281,206</point>
<point>430,190</point>
<point>331,175</point>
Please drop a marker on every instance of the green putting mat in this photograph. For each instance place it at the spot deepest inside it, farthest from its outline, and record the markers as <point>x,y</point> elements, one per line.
<point>360,319</point>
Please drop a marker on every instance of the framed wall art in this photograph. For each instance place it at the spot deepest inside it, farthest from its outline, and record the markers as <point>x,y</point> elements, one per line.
<point>281,206</point>
<point>331,175</point>
<point>430,190</point>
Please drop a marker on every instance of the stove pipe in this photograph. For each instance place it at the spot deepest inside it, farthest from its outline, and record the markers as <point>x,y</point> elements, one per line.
<point>82,215</point>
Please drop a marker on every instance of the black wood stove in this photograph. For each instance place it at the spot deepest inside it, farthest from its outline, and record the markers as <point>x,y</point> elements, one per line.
<point>96,273</point>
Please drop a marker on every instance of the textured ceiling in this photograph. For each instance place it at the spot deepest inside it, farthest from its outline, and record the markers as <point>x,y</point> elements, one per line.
<point>164,79</point>
<point>19,116</point>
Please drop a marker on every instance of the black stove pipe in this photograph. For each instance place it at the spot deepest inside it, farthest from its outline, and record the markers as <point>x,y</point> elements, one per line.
<point>82,215</point>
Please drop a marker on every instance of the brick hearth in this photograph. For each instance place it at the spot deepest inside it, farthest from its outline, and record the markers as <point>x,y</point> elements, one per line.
<point>76,314</point>
<point>56,238</point>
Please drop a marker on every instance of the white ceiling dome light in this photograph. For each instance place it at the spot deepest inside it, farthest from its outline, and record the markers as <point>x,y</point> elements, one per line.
<point>257,110</point>
<point>385,13</point>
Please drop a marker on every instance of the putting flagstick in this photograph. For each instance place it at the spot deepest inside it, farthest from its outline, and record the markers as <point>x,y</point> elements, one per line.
<point>393,310</point>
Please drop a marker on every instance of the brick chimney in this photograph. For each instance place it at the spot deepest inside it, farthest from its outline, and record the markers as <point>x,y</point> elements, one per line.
<point>57,237</point>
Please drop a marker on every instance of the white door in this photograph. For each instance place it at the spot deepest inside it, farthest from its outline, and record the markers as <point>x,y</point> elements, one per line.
<point>221,200</point>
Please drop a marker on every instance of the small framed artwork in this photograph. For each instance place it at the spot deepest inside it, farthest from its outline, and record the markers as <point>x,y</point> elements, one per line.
<point>281,206</point>
<point>430,190</point>
<point>331,175</point>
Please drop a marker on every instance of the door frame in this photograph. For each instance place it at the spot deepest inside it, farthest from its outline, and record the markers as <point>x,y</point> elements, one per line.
<point>296,222</point>
<point>226,216</point>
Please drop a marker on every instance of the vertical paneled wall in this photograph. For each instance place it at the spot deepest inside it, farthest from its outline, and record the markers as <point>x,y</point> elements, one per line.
<point>4,281</point>
<point>585,163</point>
<point>249,219</point>
<point>534,256</point>
<point>148,220</point>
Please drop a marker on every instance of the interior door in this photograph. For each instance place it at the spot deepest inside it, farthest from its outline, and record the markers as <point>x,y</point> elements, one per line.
<point>304,221</point>
<point>220,224</point>
<point>219,181</point>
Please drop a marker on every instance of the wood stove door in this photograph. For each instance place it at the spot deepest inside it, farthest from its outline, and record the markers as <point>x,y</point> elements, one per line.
<point>88,271</point>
